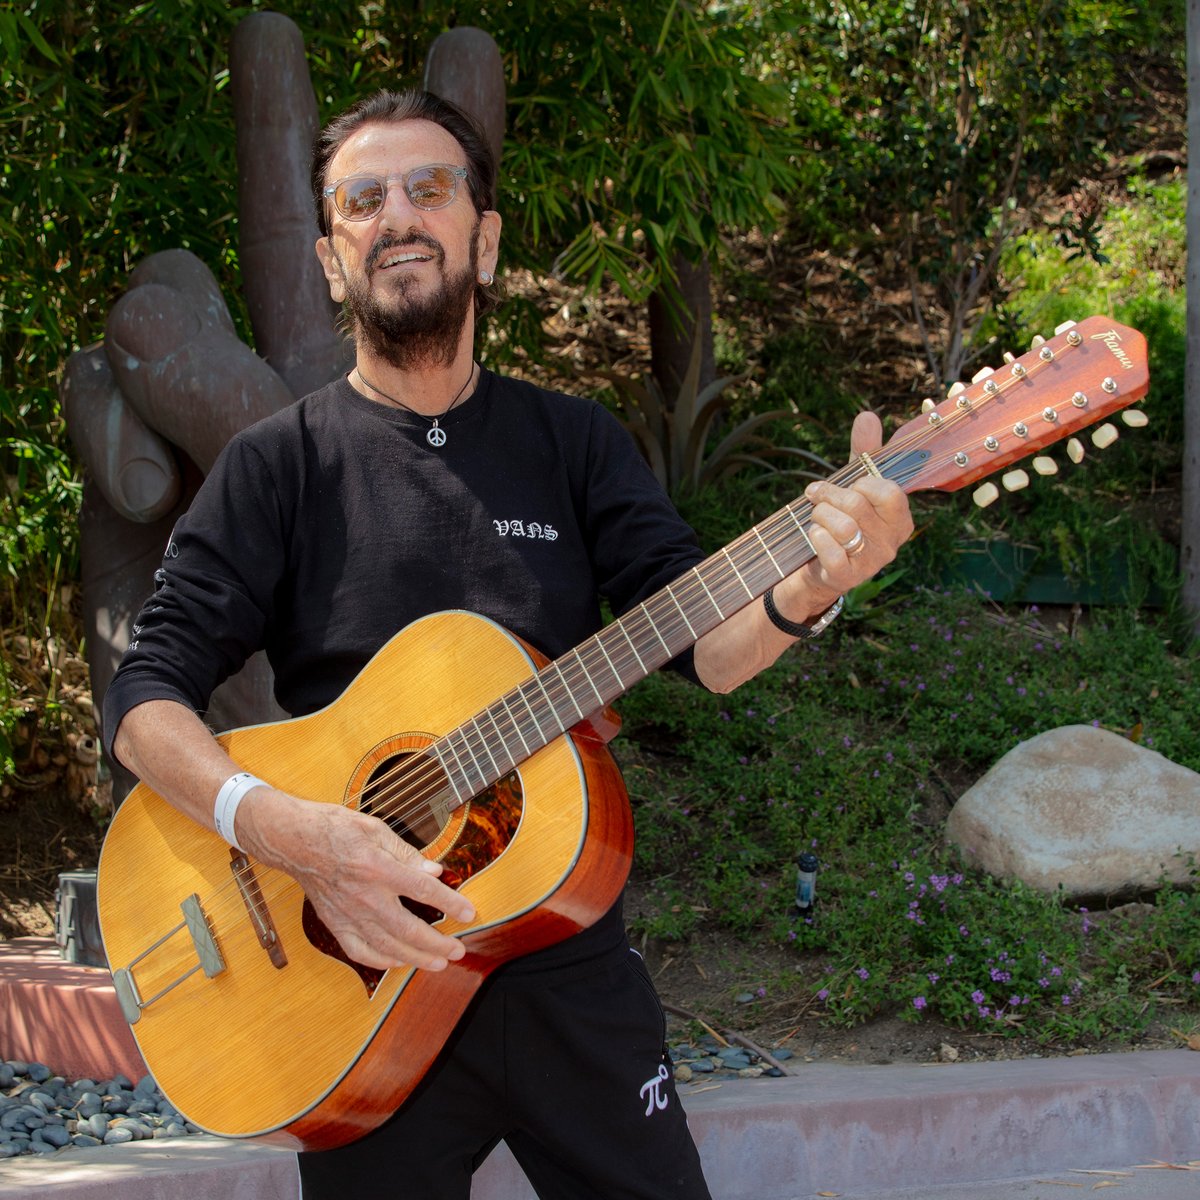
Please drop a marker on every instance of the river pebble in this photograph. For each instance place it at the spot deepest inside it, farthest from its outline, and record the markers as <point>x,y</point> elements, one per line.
<point>43,1113</point>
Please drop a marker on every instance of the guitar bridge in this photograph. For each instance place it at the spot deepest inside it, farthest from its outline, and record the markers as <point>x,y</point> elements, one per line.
<point>195,921</point>
<point>256,906</point>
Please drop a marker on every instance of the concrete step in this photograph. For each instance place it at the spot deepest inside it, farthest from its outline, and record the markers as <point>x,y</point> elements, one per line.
<point>888,1132</point>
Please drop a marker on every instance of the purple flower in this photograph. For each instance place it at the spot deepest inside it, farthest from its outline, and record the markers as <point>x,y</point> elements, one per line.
<point>977,997</point>
<point>918,1002</point>
<point>823,994</point>
<point>863,973</point>
<point>933,977</point>
<point>1196,976</point>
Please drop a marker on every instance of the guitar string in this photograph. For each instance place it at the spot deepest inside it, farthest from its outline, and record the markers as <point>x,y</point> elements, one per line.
<point>417,784</point>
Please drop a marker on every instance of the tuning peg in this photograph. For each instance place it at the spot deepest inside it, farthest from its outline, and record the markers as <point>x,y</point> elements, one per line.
<point>982,373</point>
<point>1105,436</point>
<point>928,405</point>
<point>956,387</point>
<point>1014,481</point>
<point>986,494</point>
<point>1009,357</point>
<point>1064,327</point>
<point>1045,465</point>
<point>1036,341</point>
<point>1135,418</point>
<point>1075,450</point>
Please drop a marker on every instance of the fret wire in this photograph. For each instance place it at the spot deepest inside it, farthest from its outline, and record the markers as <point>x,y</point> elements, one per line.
<point>486,748</point>
<point>782,573</point>
<point>678,633</point>
<point>491,714</point>
<point>447,770</point>
<point>465,746</point>
<point>517,724</point>
<point>632,647</point>
<point>657,632</point>
<point>737,572</point>
<point>599,641</point>
<point>565,686</point>
<point>577,657</point>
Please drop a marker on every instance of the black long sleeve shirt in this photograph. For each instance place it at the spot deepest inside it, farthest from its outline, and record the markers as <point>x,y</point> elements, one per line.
<point>326,528</point>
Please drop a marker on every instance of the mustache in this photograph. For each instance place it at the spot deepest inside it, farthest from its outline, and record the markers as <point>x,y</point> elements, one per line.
<point>411,240</point>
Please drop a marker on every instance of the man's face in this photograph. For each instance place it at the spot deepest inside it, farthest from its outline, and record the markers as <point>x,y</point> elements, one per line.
<point>407,274</point>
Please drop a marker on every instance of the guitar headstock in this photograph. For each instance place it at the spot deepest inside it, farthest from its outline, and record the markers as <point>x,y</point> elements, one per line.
<point>1083,374</point>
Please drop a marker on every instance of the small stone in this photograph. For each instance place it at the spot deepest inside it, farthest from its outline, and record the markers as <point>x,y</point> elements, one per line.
<point>55,1135</point>
<point>683,1073</point>
<point>7,1075</point>
<point>8,1149</point>
<point>17,1066</point>
<point>947,1053</point>
<point>745,998</point>
<point>750,1072</point>
<point>782,1054</point>
<point>774,1072</point>
<point>96,1125</point>
<point>114,1137</point>
<point>176,1129</point>
<point>42,1148</point>
<point>38,1072</point>
<point>146,1086</point>
<point>89,1104</point>
<point>704,1066</point>
<point>85,1139</point>
<point>123,1082</point>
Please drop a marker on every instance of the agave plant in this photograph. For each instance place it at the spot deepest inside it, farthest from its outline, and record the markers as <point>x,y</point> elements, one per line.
<point>674,436</point>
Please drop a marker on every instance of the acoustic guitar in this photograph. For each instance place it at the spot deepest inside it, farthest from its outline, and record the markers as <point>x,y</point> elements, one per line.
<point>493,761</point>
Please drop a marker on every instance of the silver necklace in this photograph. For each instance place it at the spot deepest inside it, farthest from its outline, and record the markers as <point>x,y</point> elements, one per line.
<point>435,435</point>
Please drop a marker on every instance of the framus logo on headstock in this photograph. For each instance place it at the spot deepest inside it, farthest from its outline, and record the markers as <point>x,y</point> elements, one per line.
<point>1112,339</point>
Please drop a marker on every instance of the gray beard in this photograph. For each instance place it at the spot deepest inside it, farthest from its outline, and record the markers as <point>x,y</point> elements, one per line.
<point>414,333</point>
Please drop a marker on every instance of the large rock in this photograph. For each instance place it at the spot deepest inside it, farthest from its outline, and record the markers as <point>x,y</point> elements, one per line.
<point>1083,809</point>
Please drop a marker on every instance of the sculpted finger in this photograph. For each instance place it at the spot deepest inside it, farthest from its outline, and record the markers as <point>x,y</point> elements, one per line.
<point>293,317</point>
<point>133,467</point>
<point>182,369</point>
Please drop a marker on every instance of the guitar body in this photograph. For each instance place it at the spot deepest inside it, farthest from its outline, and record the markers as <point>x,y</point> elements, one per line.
<point>289,1042</point>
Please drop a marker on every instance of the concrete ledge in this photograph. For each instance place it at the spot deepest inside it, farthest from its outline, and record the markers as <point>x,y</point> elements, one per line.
<point>860,1129</point>
<point>833,1128</point>
<point>62,1014</point>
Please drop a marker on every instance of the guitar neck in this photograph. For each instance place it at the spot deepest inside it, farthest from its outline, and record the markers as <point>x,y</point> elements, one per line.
<point>1083,374</point>
<point>588,678</point>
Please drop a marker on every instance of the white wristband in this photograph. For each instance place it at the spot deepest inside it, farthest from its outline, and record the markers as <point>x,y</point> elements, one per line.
<point>226,804</point>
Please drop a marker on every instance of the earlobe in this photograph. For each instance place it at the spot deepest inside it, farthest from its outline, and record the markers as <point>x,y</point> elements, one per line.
<point>332,266</point>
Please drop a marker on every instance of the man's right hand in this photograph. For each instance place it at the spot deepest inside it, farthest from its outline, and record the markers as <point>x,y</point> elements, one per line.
<point>354,869</point>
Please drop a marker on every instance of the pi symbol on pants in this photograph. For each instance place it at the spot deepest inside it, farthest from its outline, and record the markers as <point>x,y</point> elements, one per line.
<point>652,1090</point>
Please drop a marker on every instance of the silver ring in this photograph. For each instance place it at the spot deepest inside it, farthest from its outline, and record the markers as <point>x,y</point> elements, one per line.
<point>855,545</point>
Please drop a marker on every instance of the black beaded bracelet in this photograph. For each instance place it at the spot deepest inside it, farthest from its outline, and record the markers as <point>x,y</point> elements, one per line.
<point>794,628</point>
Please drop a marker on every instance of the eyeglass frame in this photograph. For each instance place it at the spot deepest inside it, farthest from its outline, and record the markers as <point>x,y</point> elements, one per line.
<point>459,173</point>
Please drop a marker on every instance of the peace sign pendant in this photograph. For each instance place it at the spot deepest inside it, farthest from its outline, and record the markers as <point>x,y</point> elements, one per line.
<point>436,436</point>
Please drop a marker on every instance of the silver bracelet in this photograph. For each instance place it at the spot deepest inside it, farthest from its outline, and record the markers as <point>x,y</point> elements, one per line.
<point>795,628</point>
<point>225,807</point>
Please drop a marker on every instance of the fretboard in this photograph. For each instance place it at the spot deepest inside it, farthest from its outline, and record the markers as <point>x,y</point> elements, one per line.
<point>585,680</point>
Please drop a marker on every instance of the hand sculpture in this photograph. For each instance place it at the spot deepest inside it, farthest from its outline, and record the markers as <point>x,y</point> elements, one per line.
<point>150,409</point>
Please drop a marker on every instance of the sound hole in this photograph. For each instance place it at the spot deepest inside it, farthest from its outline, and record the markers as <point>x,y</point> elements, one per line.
<point>410,792</point>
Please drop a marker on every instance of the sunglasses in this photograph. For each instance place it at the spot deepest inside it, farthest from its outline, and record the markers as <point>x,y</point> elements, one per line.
<point>360,197</point>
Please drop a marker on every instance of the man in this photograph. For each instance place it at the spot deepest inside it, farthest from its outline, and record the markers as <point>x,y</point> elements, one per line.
<point>392,493</point>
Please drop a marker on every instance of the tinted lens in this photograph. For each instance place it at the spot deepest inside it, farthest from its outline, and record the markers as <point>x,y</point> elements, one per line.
<point>431,187</point>
<point>358,199</point>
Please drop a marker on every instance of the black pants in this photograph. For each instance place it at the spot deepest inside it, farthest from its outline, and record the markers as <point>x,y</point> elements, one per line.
<point>568,1068</point>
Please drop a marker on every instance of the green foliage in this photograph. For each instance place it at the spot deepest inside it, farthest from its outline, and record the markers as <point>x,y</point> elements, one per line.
<point>955,119</point>
<point>637,131</point>
<point>676,437</point>
<point>852,747</point>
